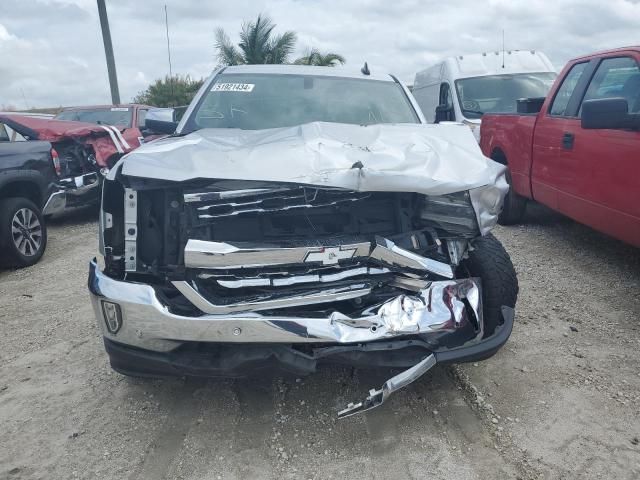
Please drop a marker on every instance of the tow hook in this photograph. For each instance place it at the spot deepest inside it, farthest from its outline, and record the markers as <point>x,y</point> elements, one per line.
<point>378,397</point>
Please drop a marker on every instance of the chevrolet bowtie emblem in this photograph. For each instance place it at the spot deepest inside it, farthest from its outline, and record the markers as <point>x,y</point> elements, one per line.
<point>330,255</point>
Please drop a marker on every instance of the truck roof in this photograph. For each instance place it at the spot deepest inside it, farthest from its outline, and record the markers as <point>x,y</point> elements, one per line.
<point>635,48</point>
<point>308,70</point>
<point>91,107</point>
<point>484,64</point>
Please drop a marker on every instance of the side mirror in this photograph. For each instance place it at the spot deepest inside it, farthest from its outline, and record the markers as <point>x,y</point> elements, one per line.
<point>161,120</point>
<point>444,113</point>
<point>608,113</point>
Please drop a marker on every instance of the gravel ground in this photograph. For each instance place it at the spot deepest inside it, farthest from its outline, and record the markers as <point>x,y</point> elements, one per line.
<point>560,401</point>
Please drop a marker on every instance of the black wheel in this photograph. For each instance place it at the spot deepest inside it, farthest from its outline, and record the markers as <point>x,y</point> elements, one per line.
<point>490,261</point>
<point>23,234</point>
<point>514,206</point>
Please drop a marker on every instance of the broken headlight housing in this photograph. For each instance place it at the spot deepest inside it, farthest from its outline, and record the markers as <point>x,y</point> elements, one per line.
<point>451,215</point>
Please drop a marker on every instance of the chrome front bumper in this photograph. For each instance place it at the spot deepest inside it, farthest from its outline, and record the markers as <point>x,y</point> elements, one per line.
<point>71,187</point>
<point>443,306</point>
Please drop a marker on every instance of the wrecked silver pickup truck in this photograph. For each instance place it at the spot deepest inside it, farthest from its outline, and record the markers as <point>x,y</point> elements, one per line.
<point>299,216</point>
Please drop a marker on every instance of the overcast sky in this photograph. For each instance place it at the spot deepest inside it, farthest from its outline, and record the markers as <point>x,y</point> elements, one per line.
<point>51,51</point>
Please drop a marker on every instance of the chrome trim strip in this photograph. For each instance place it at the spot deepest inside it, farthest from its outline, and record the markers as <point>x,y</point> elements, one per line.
<point>56,203</point>
<point>297,279</point>
<point>203,254</point>
<point>389,253</point>
<point>321,296</point>
<point>218,255</point>
<point>295,199</point>
<point>74,186</point>
<point>81,184</point>
<point>210,196</point>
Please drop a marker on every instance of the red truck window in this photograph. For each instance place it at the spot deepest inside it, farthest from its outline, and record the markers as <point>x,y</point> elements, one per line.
<point>617,77</point>
<point>564,93</point>
<point>142,115</point>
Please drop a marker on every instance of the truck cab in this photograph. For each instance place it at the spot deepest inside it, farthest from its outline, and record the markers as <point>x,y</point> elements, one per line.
<point>463,88</point>
<point>579,154</point>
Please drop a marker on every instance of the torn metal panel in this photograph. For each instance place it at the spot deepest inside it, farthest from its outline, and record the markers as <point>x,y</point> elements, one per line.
<point>427,159</point>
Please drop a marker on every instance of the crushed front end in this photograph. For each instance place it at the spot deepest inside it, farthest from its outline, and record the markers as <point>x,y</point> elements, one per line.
<point>232,278</point>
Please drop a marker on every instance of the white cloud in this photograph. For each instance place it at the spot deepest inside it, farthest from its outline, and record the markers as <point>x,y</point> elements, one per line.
<point>5,35</point>
<point>52,49</point>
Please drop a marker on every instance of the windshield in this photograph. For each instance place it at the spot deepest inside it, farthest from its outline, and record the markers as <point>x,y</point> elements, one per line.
<point>500,93</point>
<point>102,116</point>
<point>259,101</point>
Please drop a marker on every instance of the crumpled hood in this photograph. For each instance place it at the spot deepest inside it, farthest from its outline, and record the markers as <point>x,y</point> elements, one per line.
<point>49,129</point>
<point>427,159</point>
<point>106,140</point>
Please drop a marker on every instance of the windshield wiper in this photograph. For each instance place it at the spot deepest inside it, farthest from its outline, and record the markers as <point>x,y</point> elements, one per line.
<point>476,112</point>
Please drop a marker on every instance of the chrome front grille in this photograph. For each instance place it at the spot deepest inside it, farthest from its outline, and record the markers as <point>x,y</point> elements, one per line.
<point>219,258</point>
<point>286,279</point>
<point>211,205</point>
<point>223,255</point>
<point>291,246</point>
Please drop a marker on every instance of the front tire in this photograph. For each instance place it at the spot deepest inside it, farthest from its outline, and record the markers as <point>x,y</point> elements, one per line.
<point>491,262</point>
<point>23,234</point>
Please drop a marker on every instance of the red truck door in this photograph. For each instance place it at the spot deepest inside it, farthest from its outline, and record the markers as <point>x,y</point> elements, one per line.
<point>554,169</point>
<point>591,175</point>
<point>609,190</point>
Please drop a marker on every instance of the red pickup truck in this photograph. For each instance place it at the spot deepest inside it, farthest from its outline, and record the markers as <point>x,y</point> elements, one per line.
<point>577,150</point>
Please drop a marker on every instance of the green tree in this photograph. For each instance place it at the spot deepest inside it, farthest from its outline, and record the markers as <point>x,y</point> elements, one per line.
<point>258,44</point>
<point>314,57</point>
<point>169,91</point>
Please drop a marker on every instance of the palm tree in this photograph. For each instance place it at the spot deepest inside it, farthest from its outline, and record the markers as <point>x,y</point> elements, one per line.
<point>257,44</point>
<point>314,57</point>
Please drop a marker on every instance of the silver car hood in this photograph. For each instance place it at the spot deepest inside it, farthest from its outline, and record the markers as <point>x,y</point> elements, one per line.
<point>427,159</point>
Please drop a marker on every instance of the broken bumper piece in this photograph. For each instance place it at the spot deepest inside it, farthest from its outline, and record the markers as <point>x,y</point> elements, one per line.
<point>465,353</point>
<point>378,397</point>
<point>73,192</point>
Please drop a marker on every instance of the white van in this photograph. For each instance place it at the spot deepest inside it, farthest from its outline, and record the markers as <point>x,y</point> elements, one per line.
<point>463,88</point>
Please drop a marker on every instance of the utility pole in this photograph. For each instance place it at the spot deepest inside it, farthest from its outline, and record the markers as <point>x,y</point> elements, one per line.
<point>108,52</point>
<point>166,23</point>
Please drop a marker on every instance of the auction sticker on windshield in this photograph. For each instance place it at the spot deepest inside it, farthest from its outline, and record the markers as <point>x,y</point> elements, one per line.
<point>233,87</point>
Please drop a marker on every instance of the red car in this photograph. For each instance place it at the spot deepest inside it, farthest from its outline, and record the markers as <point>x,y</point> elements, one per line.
<point>578,150</point>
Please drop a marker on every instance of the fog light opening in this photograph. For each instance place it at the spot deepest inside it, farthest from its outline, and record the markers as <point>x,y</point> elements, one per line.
<point>112,316</point>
